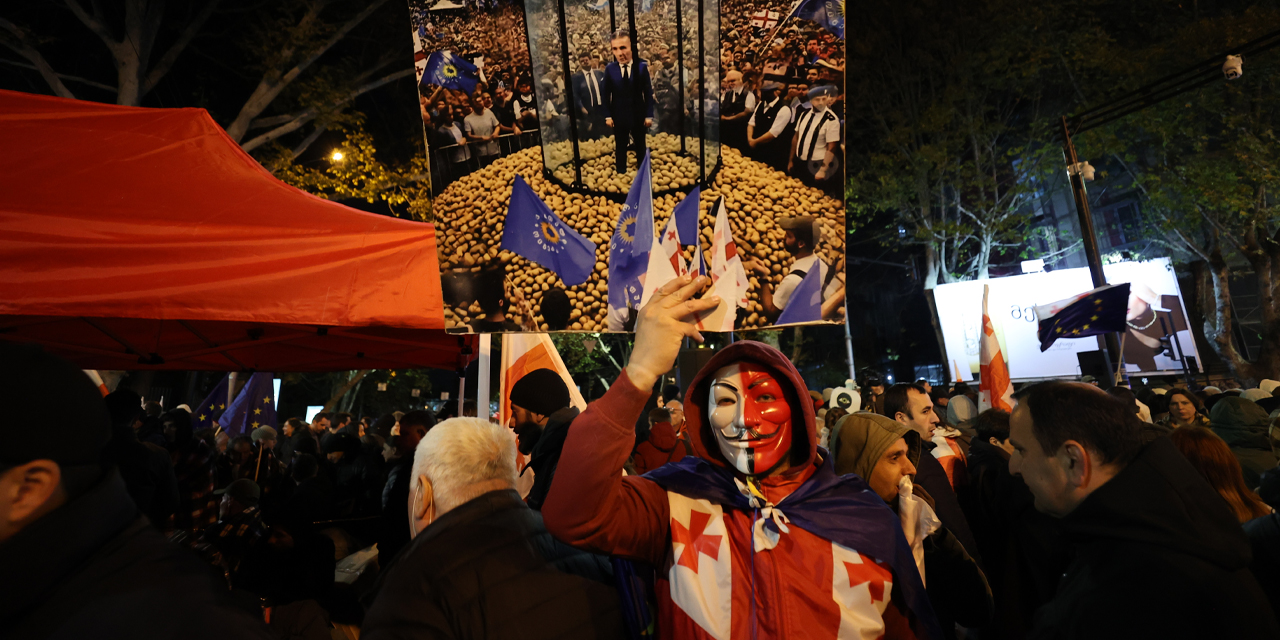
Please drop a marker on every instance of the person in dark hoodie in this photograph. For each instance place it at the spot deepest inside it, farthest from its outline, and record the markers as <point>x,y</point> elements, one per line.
<point>1157,553</point>
<point>661,446</point>
<point>77,558</point>
<point>753,534</point>
<point>1023,551</point>
<point>1243,425</point>
<point>540,416</point>
<point>882,452</point>
<point>145,467</point>
<point>394,532</point>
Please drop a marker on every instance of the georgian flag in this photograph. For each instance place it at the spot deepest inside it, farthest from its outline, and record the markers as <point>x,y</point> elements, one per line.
<point>665,262</point>
<point>728,274</point>
<point>764,19</point>
<point>994,390</point>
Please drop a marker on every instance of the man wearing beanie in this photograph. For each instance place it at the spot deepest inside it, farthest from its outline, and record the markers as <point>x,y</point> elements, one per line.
<point>540,416</point>
<point>79,559</point>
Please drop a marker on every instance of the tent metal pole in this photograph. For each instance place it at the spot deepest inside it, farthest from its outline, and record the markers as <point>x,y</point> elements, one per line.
<point>482,380</point>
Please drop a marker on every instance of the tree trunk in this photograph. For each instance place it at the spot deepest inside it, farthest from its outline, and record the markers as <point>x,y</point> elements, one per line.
<point>982,270</point>
<point>1219,320</point>
<point>342,391</point>
<point>932,266</point>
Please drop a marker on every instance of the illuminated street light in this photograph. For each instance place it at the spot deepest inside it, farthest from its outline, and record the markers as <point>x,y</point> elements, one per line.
<point>337,156</point>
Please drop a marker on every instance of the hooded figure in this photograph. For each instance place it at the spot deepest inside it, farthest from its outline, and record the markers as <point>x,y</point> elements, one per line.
<point>957,588</point>
<point>755,536</point>
<point>1243,425</point>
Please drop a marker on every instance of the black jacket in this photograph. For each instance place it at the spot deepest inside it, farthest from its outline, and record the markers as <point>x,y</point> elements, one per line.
<point>489,569</point>
<point>931,476</point>
<point>1024,551</point>
<point>394,531</point>
<point>1264,536</point>
<point>95,568</point>
<point>545,456</point>
<point>1158,555</point>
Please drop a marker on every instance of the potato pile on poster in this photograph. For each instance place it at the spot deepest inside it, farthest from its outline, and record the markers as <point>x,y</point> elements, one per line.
<point>583,152</point>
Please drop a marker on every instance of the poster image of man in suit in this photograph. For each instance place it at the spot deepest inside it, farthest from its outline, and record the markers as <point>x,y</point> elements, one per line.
<point>628,99</point>
<point>588,94</point>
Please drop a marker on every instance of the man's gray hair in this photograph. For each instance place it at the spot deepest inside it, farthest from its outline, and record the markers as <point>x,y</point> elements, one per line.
<point>464,458</point>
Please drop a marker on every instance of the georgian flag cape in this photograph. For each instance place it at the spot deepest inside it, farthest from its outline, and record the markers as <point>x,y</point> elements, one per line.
<point>829,516</point>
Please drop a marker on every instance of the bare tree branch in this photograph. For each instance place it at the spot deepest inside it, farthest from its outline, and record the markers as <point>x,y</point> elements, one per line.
<point>270,86</point>
<point>20,44</point>
<point>311,114</point>
<point>189,32</point>
<point>84,81</point>
<point>94,23</point>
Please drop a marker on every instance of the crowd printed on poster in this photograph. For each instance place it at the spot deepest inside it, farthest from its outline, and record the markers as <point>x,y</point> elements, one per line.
<point>1157,338</point>
<point>744,100</point>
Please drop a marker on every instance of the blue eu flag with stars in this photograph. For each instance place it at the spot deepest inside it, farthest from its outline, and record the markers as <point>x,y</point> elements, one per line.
<point>254,407</point>
<point>805,304</point>
<point>203,415</point>
<point>629,248</point>
<point>534,231</point>
<point>451,72</point>
<point>828,13</point>
<point>1102,310</point>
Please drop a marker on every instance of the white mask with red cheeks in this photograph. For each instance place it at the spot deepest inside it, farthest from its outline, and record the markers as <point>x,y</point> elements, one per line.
<point>750,417</point>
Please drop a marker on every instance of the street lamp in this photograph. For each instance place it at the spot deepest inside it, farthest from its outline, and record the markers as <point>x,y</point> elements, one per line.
<point>337,156</point>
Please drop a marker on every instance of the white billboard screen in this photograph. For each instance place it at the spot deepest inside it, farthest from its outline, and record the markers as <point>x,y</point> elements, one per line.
<point>1157,321</point>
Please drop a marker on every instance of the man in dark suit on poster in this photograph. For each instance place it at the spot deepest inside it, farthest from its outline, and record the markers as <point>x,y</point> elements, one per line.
<point>628,99</point>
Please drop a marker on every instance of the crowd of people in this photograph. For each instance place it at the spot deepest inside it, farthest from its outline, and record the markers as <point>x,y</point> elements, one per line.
<point>736,504</point>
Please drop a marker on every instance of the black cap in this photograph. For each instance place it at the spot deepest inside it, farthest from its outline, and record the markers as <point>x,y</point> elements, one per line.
<point>541,391</point>
<point>56,412</point>
<point>244,490</point>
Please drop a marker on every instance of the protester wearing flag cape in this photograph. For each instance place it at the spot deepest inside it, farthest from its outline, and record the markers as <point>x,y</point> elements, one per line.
<point>756,536</point>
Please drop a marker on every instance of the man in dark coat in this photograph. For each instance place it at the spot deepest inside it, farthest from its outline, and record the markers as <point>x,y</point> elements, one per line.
<point>628,99</point>
<point>79,560</point>
<point>144,466</point>
<point>540,416</point>
<point>1244,426</point>
<point>1156,555</point>
<point>395,494</point>
<point>481,563</point>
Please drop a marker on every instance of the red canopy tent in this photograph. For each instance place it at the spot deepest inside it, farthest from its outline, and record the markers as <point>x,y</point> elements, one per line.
<point>135,238</point>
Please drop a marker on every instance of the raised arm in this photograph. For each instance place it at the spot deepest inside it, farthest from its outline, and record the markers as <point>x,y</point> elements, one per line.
<point>590,504</point>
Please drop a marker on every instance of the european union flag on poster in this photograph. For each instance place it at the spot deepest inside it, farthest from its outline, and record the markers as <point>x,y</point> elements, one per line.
<point>686,214</point>
<point>451,72</point>
<point>629,247</point>
<point>828,13</point>
<point>203,415</point>
<point>598,6</point>
<point>1101,310</point>
<point>254,407</point>
<point>805,304</point>
<point>534,231</point>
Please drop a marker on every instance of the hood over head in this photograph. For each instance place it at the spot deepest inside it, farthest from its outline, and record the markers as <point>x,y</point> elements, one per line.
<point>1161,500</point>
<point>662,436</point>
<point>1254,395</point>
<point>804,436</point>
<point>1241,423</point>
<point>960,410</point>
<point>1269,385</point>
<point>860,440</point>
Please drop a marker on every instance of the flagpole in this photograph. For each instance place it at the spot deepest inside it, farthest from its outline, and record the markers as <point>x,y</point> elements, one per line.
<point>795,6</point>
<point>482,379</point>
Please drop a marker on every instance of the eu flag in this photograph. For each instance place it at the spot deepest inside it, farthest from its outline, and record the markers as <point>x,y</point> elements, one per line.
<point>534,231</point>
<point>1101,310</point>
<point>629,248</point>
<point>204,414</point>
<point>686,214</point>
<point>254,407</point>
<point>805,304</point>
<point>451,72</point>
<point>828,13</point>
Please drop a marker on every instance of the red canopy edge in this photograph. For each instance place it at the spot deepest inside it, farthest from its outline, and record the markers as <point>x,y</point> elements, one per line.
<point>127,232</point>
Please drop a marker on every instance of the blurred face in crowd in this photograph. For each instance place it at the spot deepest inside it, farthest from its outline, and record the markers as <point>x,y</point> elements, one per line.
<point>288,429</point>
<point>241,452</point>
<point>488,99</point>
<point>528,427</point>
<point>320,425</point>
<point>731,81</point>
<point>1181,409</point>
<point>811,75</point>
<point>921,417</point>
<point>820,103</point>
<point>410,437</point>
<point>751,419</point>
<point>621,49</point>
<point>229,507</point>
<point>677,413</point>
<point>889,471</point>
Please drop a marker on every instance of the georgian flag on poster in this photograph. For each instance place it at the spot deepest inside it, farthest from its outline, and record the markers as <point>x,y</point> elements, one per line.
<point>665,262</point>
<point>728,274</point>
<point>764,19</point>
<point>994,390</point>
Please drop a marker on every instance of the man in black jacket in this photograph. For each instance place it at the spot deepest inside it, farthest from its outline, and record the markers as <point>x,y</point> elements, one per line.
<point>540,416</point>
<point>79,560</point>
<point>395,494</point>
<point>145,467</point>
<point>481,563</point>
<point>1157,553</point>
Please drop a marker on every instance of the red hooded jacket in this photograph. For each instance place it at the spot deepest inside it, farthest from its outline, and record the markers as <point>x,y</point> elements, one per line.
<point>662,447</point>
<point>711,584</point>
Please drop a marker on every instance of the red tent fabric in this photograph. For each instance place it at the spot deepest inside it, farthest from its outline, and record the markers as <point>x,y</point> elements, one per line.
<point>135,238</point>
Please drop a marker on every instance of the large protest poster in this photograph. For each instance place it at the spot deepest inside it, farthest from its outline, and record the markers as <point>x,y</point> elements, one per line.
<point>707,133</point>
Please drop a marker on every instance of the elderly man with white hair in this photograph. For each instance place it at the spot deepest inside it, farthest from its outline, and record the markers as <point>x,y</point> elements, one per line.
<point>481,563</point>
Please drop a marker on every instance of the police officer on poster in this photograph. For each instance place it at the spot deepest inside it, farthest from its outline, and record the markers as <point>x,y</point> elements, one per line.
<point>814,155</point>
<point>770,119</point>
<point>628,99</point>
